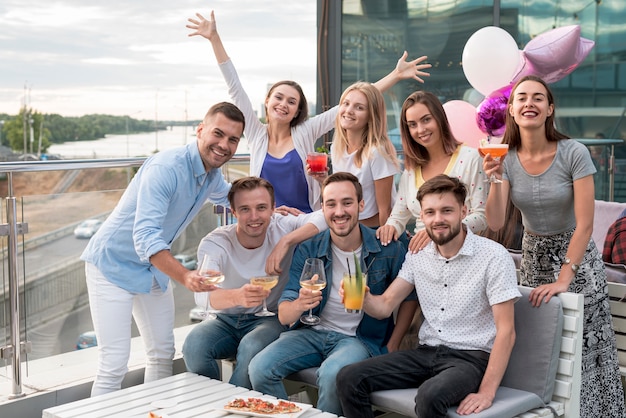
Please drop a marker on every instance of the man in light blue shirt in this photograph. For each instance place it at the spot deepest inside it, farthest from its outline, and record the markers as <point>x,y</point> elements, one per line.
<point>128,263</point>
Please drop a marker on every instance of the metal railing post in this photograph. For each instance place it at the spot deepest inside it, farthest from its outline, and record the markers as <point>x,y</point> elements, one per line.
<point>14,293</point>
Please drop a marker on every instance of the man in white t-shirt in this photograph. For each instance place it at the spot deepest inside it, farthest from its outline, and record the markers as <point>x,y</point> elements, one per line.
<point>466,286</point>
<point>261,241</point>
<point>341,337</point>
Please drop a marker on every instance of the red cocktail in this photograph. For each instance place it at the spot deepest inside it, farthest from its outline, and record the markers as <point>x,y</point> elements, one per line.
<point>318,162</point>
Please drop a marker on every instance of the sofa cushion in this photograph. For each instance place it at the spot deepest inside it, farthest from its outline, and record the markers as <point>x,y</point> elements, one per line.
<point>535,356</point>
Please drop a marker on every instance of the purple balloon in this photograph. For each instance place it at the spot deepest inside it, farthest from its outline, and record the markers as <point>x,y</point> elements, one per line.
<point>554,54</point>
<point>491,112</point>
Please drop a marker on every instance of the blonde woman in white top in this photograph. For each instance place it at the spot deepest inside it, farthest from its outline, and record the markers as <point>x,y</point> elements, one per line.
<point>431,149</point>
<point>361,147</point>
<point>280,146</point>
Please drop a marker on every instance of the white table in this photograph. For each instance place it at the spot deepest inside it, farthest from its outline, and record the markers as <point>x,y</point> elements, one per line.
<point>195,396</point>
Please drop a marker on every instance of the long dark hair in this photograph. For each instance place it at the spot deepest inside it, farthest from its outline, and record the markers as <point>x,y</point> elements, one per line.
<point>416,155</point>
<point>512,135</point>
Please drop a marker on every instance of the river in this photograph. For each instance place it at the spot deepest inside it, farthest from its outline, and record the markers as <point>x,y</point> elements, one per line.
<point>133,145</point>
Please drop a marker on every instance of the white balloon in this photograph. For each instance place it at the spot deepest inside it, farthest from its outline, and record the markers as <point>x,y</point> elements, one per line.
<point>490,59</point>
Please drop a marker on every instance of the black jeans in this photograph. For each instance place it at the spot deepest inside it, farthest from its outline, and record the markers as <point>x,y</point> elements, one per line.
<point>444,376</point>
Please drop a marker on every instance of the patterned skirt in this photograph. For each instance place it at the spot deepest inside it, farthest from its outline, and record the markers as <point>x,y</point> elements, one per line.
<point>601,387</point>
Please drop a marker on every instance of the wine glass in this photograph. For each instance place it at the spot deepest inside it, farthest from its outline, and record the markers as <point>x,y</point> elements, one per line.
<point>313,277</point>
<point>209,270</point>
<point>496,151</point>
<point>267,282</point>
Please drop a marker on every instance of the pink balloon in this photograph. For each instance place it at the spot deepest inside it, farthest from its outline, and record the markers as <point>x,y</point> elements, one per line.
<point>554,54</point>
<point>462,118</point>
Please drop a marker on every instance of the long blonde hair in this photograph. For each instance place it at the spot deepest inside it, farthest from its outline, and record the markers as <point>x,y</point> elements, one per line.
<point>374,135</point>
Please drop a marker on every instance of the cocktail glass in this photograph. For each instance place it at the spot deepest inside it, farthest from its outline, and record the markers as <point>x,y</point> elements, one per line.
<point>268,283</point>
<point>353,292</point>
<point>318,162</point>
<point>496,151</point>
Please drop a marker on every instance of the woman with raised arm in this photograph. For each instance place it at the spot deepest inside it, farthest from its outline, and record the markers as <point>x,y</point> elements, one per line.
<point>280,146</point>
<point>549,177</point>
<point>431,149</point>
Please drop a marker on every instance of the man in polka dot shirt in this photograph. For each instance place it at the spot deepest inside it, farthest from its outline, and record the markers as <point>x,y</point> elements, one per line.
<point>466,286</point>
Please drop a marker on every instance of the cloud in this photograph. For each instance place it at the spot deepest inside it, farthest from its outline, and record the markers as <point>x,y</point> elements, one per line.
<point>117,57</point>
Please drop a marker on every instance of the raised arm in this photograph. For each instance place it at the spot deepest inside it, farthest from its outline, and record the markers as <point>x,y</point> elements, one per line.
<point>208,30</point>
<point>495,210</point>
<point>403,71</point>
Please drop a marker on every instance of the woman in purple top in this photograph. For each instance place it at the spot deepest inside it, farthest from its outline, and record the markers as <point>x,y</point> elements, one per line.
<point>279,147</point>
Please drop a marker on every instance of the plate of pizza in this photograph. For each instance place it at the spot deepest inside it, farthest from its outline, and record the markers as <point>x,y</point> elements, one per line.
<point>265,407</point>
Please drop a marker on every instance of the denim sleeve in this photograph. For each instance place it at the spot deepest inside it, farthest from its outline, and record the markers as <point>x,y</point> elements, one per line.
<point>156,188</point>
<point>292,288</point>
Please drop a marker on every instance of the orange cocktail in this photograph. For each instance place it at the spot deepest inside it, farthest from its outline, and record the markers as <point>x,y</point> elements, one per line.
<point>495,150</point>
<point>354,292</point>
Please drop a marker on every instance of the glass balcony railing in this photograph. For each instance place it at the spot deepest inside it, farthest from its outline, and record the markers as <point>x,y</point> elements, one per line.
<point>44,307</point>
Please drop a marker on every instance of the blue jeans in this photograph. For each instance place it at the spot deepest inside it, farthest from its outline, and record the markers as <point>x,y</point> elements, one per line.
<point>229,336</point>
<point>300,349</point>
<point>444,377</point>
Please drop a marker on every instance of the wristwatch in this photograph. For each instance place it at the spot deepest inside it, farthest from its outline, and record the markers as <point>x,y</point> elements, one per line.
<point>575,267</point>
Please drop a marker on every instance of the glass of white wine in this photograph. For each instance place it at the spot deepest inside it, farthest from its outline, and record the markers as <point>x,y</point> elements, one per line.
<point>209,275</point>
<point>313,277</point>
<point>268,283</point>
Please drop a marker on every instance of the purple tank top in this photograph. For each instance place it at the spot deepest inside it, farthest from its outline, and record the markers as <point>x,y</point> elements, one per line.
<point>288,178</point>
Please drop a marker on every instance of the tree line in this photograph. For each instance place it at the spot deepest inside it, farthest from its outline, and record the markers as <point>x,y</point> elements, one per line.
<point>33,132</point>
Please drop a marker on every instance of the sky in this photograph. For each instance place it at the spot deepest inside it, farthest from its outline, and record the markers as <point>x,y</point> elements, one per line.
<point>121,57</point>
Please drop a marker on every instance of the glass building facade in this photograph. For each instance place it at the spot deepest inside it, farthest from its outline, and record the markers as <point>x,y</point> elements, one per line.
<point>363,39</point>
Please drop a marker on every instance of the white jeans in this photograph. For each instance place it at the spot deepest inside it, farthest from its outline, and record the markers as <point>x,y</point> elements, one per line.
<point>112,309</point>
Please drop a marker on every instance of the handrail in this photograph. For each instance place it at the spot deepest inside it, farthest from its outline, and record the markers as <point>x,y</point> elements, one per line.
<point>56,165</point>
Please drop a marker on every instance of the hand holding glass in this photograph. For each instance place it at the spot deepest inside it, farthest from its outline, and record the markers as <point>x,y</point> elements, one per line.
<point>313,277</point>
<point>209,276</point>
<point>318,162</point>
<point>496,151</point>
<point>267,282</point>
<point>353,292</point>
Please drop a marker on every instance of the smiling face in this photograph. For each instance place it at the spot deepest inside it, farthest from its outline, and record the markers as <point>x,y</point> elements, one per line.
<point>282,104</point>
<point>353,111</point>
<point>442,215</point>
<point>341,208</point>
<point>423,126</point>
<point>530,106</point>
<point>253,210</point>
<point>218,138</point>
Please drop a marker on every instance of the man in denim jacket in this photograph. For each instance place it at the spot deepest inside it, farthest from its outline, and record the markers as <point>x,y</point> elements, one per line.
<point>341,338</point>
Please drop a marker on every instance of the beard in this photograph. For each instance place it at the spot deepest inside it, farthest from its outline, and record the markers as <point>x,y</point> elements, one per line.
<point>439,239</point>
<point>345,230</point>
